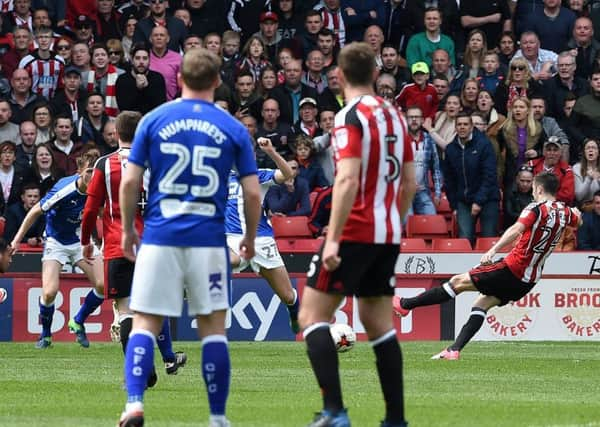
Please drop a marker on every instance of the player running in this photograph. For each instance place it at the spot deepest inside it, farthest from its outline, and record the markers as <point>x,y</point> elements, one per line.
<point>190,145</point>
<point>103,192</point>
<point>538,230</point>
<point>62,206</point>
<point>267,262</point>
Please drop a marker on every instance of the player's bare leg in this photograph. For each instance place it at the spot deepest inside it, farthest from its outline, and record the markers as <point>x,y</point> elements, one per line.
<point>376,316</point>
<point>316,311</point>
<point>50,281</point>
<point>279,280</point>
<point>216,366</point>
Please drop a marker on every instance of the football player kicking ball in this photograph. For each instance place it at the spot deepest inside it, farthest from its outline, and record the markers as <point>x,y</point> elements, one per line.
<point>62,206</point>
<point>538,230</point>
<point>267,262</point>
<point>103,192</point>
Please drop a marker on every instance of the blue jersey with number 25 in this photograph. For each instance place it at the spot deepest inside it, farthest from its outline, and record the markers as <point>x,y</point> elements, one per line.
<point>190,146</point>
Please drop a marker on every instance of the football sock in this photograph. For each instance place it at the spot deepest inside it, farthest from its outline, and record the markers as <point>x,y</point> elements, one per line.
<point>139,362</point>
<point>46,315</point>
<point>469,329</point>
<point>165,345</point>
<point>125,323</point>
<point>91,302</point>
<point>324,360</point>
<point>389,367</point>
<point>296,301</point>
<point>430,297</point>
<point>216,370</point>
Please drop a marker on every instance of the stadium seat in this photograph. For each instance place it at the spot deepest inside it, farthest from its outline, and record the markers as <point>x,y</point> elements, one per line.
<point>291,226</point>
<point>483,244</point>
<point>451,245</point>
<point>426,226</point>
<point>413,245</point>
<point>299,245</point>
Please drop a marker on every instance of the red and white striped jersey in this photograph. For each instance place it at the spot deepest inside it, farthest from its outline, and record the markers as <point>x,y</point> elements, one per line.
<point>373,130</point>
<point>6,6</point>
<point>46,74</point>
<point>544,224</point>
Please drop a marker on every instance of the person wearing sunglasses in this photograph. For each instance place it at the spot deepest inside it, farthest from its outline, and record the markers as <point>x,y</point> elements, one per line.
<point>519,83</point>
<point>158,17</point>
<point>62,47</point>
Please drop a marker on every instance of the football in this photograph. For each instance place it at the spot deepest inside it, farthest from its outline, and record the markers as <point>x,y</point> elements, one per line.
<point>3,295</point>
<point>343,336</point>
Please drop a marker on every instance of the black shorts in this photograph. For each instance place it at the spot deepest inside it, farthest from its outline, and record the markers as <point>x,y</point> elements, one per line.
<point>366,270</point>
<point>118,276</point>
<point>497,280</point>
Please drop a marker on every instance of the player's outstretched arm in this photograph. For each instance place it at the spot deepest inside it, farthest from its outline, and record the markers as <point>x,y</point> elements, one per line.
<point>409,187</point>
<point>128,198</point>
<point>284,171</point>
<point>33,214</point>
<point>252,211</point>
<point>509,236</point>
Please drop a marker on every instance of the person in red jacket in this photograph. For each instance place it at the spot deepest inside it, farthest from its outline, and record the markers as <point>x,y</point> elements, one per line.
<point>420,93</point>
<point>551,161</point>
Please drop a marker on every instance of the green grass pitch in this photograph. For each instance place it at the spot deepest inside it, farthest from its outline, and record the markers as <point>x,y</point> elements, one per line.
<point>494,384</point>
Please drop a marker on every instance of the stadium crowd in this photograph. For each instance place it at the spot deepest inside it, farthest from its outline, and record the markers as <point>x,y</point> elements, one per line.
<point>493,92</point>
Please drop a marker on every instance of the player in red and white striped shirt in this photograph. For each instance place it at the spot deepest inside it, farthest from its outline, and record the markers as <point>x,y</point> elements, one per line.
<point>45,69</point>
<point>373,189</point>
<point>538,230</point>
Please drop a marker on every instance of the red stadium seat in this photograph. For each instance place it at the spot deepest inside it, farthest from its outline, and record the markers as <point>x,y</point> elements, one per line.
<point>413,245</point>
<point>451,245</point>
<point>483,244</point>
<point>299,245</point>
<point>291,226</point>
<point>426,226</point>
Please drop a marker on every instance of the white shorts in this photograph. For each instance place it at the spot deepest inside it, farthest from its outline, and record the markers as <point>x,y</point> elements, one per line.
<point>267,255</point>
<point>64,254</point>
<point>163,272</point>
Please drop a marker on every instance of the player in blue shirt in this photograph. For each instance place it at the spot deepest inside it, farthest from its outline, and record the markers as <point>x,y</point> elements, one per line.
<point>190,145</point>
<point>267,262</point>
<point>62,206</point>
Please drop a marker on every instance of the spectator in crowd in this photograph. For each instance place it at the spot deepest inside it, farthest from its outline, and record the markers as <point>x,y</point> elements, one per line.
<point>81,58</point>
<point>472,59</point>
<point>9,62</point>
<point>250,123</point>
<point>519,83</point>
<point>116,56</point>
<point>332,96</point>
<point>422,45</point>
<point>268,34</point>
<point>308,37</point>
<point>164,61</point>
<point>541,62</point>
<point>40,17</point>
<point>140,89</point>
<point>280,133</point>
<point>320,212</point>
<point>491,123</point>
<point>390,65</point>
<point>289,94</point>
<point>588,236</point>
<point>15,214</point>
<point>21,15</point>
<point>175,28</point>
<point>130,23</point>
<point>43,118</point>
<point>442,87</point>
<point>490,17</point>
<point>551,162</point>
<point>63,46</point>
<point>469,169</point>
<point>108,21</point>
<point>420,93</point>
<point>102,78</point>
<point>307,124</point>
<point>326,45</point>
<point>213,42</point>
<point>443,131</point>
<point>507,47</point>
<point>468,95</point>
<point>138,9</point>
<point>363,15</point>
<point>24,153</point>
<point>246,98</point>
<point>491,74</point>
<point>518,196</point>
<point>192,41</point>
<point>231,52</point>
<point>308,168</point>
<point>399,24</point>
<point>44,171</point>
<point>451,25</point>
<point>8,130</point>
<point>374,38</point>
<point>44,68</point>
<point>207,16</point>
<point>290,23</point>
<point>109,137</point>
<point>314,76</point>
<point>71,99</point>
<point>586,111</point>
<point>65,151</point>
<point>11,176</point>
<point>564,82</point>
<point>583,46</point>
<point>184,15</point>
<point>90,124</point>
<point>549,125</point>
<point>426,163</point>
<point>385,87</point>
<point>267,81</point>
<point>553,24</point>
<point>323,149</point>
<point>443,67</point>
<point>290,198</point>
<point>21,98</point>
<point>243,16</point>
<point>336,19</point>
<point>587,175</point>
<point>254,57</point>
<point>84,28</point>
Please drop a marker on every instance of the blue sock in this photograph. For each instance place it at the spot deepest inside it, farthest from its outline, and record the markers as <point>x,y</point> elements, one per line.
<point>91,302</point>
<point>46,315</point>
<point>165,345</point>
<point>216,371</point>
<point>139,360</point>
